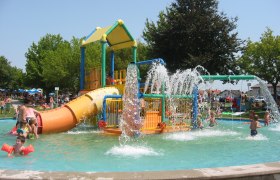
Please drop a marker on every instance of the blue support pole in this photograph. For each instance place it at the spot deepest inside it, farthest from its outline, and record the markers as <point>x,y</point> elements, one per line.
<point>82,69</point>
<point>112,66</point>
<point>105,105</point>
<point>195,107</point>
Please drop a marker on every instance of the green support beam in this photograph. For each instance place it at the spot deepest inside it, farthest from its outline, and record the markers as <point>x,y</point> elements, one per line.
<point>228,77</point>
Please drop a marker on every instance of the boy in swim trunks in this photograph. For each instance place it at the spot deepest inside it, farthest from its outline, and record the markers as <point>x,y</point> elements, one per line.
<point>254,125</point>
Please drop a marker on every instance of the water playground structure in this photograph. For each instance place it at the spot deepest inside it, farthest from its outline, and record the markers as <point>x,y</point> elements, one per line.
<point>128,107</point>
<point>108,101</point>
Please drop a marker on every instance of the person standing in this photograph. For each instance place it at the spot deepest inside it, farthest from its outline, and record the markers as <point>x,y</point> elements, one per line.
<point>8,102</point>
<point>212,119</point>
<point>266,118</point>
<point>254,125</point>
<point>51,102</point>
<point>2,106</point>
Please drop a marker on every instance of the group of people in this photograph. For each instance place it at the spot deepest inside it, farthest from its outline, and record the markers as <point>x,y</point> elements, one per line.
<point>253,117</point>
<point>26,128</point>
<point>254,121</point>
<point>211,118</point>
<point>26,125</point>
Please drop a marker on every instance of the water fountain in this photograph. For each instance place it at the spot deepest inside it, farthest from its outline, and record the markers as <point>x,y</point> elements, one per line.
<point>131,123</point>
<point>270,102</point>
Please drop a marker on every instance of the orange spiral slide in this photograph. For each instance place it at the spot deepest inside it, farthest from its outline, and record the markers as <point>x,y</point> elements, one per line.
<point>67,117</point>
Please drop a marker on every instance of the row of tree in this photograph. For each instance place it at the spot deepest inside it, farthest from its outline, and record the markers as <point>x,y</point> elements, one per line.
<point>188,33</point>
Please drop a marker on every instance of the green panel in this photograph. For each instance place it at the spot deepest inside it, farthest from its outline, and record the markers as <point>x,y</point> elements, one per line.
<point>228,77</point>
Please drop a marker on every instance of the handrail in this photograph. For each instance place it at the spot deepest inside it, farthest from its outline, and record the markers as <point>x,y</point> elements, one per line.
<point>104,104</point>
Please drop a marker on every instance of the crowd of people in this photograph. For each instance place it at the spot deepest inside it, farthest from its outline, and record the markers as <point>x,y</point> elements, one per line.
<point>36,100</point>
<point>26,126</point>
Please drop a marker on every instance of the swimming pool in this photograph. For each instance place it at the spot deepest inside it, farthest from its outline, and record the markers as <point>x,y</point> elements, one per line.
<point>85,149</point>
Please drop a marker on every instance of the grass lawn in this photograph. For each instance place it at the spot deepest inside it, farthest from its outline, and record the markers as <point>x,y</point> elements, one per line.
<point>8,115</point>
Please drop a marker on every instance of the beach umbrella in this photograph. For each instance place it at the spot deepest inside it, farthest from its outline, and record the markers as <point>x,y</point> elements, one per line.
<point>21,90</point>
<point>32,91</point>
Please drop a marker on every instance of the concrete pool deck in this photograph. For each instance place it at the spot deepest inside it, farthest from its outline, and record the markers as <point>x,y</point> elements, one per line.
<point>265,171</point>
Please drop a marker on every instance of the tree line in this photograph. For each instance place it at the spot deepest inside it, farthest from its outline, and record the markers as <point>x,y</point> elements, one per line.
<point>187,33</point>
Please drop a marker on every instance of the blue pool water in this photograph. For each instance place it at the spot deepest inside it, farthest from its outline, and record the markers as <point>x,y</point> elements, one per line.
<point>85,149</point>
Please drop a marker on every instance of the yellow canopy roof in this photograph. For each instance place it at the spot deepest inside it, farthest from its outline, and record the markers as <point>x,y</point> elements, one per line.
<point>96,35</point>
<point>117,36</point>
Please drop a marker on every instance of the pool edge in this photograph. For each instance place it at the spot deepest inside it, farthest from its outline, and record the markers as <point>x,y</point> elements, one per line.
<point>255,171</point>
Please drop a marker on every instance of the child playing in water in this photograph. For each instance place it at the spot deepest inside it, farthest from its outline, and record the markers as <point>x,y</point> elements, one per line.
<point>199,122</point>
<point>23,129</point>
<point>31,113</point>
<point>21,114</point>
<point>252,115</point>
<point>266,118</point>
<point>33,129</point>
<point>18,147</point>
<point>212,119</point>
<point>254,125</point>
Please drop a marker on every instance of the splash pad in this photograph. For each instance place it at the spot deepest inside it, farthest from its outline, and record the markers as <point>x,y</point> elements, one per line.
<point>170,111</point>
<point>85,149</point>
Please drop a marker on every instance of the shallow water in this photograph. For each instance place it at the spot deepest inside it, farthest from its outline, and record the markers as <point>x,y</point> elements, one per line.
<point>86,149</point>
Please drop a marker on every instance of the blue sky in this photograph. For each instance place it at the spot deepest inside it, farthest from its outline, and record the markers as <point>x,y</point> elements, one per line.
<point>25,21</point>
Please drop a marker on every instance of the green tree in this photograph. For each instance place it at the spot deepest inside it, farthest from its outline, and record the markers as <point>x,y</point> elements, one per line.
<point>10,77</point>
<point>93,56</point>
<point>191,33</point>
<point>263,59</point>
<point>17,78</point>
<point>35,55</point>
<point>54,62</point>
<point>61,67</point>
<point>5,72</point>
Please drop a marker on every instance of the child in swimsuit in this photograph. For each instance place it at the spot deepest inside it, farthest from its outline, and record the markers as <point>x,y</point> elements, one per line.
<point>266,118</point>
<point>21,114</point>
<point>212,119</point>
<point>33,129</point>
<point>24,129</point>
<point>31,113</point>
<point>254,125</point>
<point>18,147</point>
<point>199,122</point>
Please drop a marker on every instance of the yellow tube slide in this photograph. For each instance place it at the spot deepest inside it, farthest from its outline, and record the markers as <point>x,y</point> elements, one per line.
<point>67,117</point>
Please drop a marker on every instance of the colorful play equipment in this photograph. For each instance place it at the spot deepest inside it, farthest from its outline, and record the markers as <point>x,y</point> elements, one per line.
<point>104,100</point>
<point>156,117</point>
<point>68,116</point>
